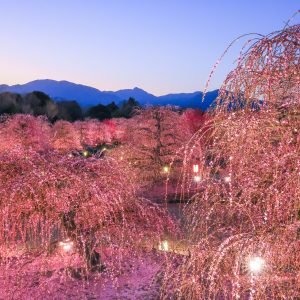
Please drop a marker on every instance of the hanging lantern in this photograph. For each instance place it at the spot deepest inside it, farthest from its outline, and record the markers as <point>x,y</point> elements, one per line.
<point>195,168</point>
<point>163,246</point>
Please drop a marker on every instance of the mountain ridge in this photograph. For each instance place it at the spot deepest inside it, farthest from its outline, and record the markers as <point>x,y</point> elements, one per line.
<point>89,96</point>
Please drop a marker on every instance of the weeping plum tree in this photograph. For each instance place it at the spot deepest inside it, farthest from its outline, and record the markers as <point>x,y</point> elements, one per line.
<point>154,136</point>
<point>120,129</point>
<point>244,225</point>
<point>65,137</point>
<point>194,119</point>
<point>109,129</point>
<point>84,198</point>
<point>89,132</point>
<point>22,133</point>
<point>51,202</point>
<point>94,133</point>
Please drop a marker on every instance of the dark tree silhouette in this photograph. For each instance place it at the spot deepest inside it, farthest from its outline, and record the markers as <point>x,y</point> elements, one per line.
<point>69,111</point>
<point>100,112</point>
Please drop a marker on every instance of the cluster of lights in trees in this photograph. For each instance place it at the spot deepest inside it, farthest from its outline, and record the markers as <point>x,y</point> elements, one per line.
<point>57,200</point>
<point>196,171</point>
<point>242,225</point>
<point>55,184</point>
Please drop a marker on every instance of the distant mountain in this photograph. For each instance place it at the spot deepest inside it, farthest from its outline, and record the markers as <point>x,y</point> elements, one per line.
<point>66,90</point>
<point>193,100</point>
<point>136,93</point>
<point>88,96</point>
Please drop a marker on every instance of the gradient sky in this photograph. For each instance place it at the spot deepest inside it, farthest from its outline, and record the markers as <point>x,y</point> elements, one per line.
<point>161,46</point>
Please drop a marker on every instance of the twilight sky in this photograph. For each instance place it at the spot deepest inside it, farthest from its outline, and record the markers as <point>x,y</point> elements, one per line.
<point>161,46</point>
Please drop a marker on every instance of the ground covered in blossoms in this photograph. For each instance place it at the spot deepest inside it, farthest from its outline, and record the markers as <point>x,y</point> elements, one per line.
<point>140,279</point>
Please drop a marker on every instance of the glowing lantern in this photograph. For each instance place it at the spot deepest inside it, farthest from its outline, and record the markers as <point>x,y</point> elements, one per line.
<point>195,168</point>
<point>85,153</point>
<point>227,179</point>
<point>197,178</point>
<point>66,245</point>
<point>256,264</point>
<point>166,169</point>
<point>163,246</point>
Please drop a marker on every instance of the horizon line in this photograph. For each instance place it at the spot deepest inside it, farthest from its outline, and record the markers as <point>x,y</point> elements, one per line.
<point>108,91</point>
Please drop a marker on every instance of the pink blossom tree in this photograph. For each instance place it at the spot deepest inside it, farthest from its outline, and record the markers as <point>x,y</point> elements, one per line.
<point>21,133</point>
<point>154,137</point>
<point>120,129</point>
<point>90,132</point>
<point>51,203</point>
<point>109,129</point>
<point>65,137</point>
<point>243,221</point>
<point>195,119</point>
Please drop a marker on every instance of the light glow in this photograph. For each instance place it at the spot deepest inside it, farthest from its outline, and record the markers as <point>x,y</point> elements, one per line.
<point>197,178</point>
<point>66,245</point>
<point>195,168</point>
<point>227,179</point>
<point>166,169</point>
<point>256,264</point>
<point>163,246</point>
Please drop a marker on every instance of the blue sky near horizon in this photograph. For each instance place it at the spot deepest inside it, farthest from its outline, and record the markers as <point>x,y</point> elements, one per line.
<point>161,46</point>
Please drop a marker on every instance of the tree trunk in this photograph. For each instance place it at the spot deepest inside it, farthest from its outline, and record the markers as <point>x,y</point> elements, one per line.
<point>84,241</point>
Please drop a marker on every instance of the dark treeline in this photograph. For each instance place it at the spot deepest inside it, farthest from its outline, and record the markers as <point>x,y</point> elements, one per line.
<point>38,103</point>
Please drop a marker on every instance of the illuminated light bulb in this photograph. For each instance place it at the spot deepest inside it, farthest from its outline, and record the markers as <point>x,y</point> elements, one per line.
<point>85,153</point>
<point>67,245</point>
<point>227,179</point>
<point>230,158</point>
<point>197,178</point>
<point>163,246</point>
<point>104,149</point>
<point>70,155</point>
<point>256,264</point>
<point>166,169</point>
<point>121,158</point>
